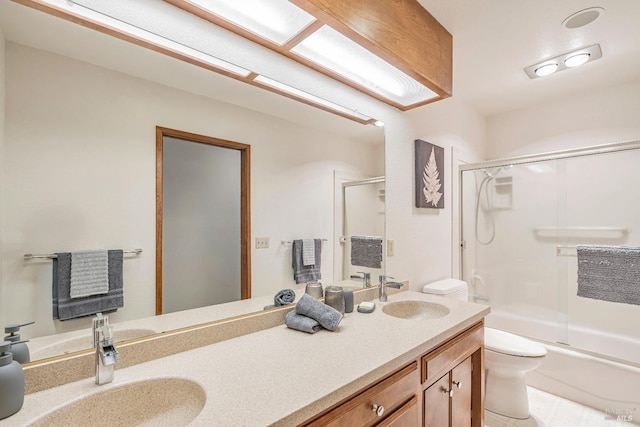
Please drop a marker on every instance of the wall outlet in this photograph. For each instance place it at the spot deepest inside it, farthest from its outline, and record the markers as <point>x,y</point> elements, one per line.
<point>262,242</point>
<point>389,248</point>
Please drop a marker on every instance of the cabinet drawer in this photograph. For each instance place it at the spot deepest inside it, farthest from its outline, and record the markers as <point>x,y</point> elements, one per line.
<point>396,391</point>
<point>441,360</point>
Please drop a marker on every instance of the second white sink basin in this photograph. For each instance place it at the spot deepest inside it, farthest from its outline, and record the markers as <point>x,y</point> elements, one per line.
<point>156,402</point>
<point>415,310</point>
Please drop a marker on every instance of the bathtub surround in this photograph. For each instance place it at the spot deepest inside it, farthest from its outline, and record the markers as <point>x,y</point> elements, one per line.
<point>609,273</point>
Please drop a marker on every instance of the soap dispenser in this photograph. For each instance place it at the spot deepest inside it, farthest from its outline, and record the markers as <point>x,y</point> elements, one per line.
<point>11,382</point>
<point>19,349</point>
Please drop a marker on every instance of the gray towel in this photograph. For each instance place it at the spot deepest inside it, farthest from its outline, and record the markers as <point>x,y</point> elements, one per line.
<point>65,308</point>
<point>89,273</point>
<point>609,273</point>
<point>302,323</point>
<point>283,297</point>
<point>328,317</point>
<point>366,251</point>
<point>308,252</point>
<point>302,273</point>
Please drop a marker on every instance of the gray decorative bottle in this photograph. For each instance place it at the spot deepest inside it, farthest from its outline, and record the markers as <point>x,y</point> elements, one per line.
<point>11,382</point>
<point>19,348</point>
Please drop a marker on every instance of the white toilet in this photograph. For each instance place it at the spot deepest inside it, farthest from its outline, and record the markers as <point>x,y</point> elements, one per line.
<point>507,358</point>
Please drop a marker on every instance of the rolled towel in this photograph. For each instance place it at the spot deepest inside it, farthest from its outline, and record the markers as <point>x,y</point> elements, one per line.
<point>284,297</point>
<point>302,323</point>
<point>328,317</point>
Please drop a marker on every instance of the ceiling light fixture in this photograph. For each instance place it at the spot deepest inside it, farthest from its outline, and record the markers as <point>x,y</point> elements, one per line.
<point>565,61</point>
<point>313,100</point>
<point>582,17</point>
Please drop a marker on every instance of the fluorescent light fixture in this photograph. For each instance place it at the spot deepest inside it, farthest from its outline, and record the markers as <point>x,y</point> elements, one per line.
<point>331,50</point>
<point>274,20</point>
<point>565,61</point>
<point>87,9</point>
<point>315,100</point>
<point>577,59</point>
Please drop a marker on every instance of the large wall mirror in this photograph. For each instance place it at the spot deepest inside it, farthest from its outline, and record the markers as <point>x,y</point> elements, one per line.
<point>79,170</point>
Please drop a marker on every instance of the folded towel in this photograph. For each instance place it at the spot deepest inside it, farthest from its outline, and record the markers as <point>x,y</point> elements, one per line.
<point>284,297</point>
<point>65,307</point>
<point>609,273</point>
<point>302,323</point>
<point>366,251</point>
<point>328,317</point>
<point>308,252</point>
<point>302,273</point>
<point>89,273</point>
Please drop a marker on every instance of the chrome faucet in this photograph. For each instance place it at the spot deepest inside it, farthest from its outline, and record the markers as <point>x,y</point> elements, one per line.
<point>366,278</point>
<point>106,353</point>
<point>384,284</point>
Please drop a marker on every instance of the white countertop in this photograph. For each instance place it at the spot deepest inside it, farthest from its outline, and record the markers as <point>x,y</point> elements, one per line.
<point>281,376</point>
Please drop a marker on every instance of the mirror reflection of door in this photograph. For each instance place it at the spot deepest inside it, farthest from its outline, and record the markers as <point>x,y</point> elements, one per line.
<point>202,250</point>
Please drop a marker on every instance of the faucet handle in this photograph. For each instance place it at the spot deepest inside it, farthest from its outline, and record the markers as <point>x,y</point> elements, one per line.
<point>383,278</point>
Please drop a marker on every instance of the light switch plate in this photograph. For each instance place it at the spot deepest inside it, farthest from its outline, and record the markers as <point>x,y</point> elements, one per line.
<point>262,242</point>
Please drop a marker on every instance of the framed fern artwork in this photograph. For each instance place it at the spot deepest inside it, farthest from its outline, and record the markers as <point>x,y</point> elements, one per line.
<point>429,175</point>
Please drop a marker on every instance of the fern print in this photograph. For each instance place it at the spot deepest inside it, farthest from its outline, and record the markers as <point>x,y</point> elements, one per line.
<point>431,180</point>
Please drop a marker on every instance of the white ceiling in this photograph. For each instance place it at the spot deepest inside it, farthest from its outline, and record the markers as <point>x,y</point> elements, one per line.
<point>495,39</point>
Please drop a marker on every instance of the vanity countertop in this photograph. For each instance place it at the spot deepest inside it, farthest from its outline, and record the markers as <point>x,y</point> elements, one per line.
<point>281,376</point>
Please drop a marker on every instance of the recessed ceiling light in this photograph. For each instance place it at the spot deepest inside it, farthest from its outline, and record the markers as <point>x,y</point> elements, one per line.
<point>577,59</point>
<point>583,17</point>
<point>564,62</point>
<point>546,69</point>
<point>378,123</point>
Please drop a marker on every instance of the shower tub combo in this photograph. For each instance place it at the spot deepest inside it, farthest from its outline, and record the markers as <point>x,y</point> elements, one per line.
<point>521,220</point>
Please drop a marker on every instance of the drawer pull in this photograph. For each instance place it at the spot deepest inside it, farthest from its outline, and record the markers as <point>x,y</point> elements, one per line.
<point>378,409</point>
<point>457,383</point>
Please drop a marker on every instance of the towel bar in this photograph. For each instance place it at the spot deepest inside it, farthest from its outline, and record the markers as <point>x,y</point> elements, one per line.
<point>28,257</point>
<point>289,242</point>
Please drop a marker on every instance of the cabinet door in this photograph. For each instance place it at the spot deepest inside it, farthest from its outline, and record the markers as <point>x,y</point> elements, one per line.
<point>436,403</point>
<point>461,399</point>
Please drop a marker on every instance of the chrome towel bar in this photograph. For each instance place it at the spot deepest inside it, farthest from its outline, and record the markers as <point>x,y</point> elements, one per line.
<point>28,257</point>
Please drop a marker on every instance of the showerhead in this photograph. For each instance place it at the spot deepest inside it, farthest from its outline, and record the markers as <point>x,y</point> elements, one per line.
<point>497,172</point>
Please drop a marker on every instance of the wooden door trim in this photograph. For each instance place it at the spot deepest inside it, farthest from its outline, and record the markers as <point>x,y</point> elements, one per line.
<point>245,204</point>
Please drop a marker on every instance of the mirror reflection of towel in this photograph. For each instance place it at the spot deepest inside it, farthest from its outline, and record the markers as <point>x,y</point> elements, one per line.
<point>65,307</point>
<point>366,251</point>
<point>302,273</point>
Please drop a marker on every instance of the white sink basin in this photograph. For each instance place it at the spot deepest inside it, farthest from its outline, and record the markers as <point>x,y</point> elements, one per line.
<point>415,310</point>
<point>156,402</point>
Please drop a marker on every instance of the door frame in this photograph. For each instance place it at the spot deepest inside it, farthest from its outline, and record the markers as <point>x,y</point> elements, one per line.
<point>245,202</point>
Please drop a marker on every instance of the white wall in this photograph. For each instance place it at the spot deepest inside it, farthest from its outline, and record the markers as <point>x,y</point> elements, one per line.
<point>80,173</point>
<point>596,117</point>
<point>423,237</point>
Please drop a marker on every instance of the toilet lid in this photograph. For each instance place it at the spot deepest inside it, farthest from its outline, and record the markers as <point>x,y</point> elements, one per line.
<point>514,345</point>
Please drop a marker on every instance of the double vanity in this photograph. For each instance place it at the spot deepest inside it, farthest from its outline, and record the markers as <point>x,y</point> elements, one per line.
<point>417,359</point>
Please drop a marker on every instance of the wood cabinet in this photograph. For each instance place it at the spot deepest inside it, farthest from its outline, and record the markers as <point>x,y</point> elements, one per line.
<point>453,381</point>
<point>392,401</point>
<point>442,388</point>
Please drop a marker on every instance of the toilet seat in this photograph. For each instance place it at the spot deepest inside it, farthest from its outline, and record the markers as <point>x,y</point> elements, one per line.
<point>510,344</point>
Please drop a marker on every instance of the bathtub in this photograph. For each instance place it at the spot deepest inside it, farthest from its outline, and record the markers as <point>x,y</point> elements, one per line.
<point>582,376</point>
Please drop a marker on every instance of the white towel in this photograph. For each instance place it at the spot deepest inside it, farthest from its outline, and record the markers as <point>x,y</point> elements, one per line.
<point>89,273</point>
<point>308,252</point>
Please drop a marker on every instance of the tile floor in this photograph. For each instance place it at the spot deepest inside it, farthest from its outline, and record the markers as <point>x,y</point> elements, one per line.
<point>548,410</point>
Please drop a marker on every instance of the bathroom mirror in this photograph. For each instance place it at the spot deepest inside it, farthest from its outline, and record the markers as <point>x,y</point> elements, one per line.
<point>81,110</point>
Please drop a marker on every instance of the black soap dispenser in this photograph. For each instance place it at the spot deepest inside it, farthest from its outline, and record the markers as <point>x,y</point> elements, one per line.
<point>19,349</point>
<point>11,382</point>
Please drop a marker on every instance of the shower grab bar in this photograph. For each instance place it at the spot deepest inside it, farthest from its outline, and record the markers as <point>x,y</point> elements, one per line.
<point>28,257</point>
<point>290,242</point>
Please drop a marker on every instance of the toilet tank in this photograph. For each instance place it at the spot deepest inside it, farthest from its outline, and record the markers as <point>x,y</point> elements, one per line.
<point>448,288</point>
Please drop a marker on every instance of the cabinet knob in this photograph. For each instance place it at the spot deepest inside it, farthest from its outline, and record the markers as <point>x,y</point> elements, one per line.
<point>378,409</point>
<point>449,392</point>
<point>457,383</point>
